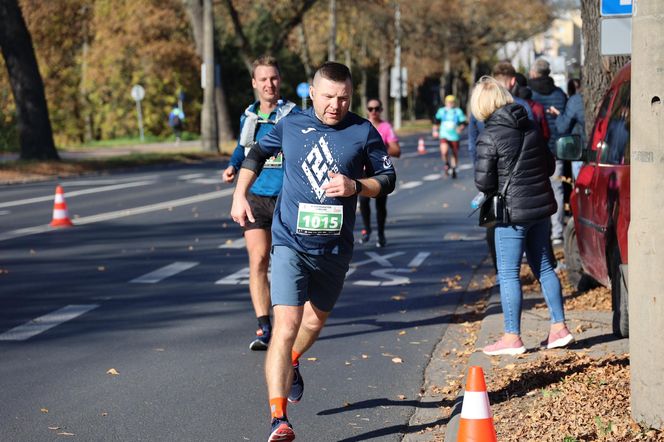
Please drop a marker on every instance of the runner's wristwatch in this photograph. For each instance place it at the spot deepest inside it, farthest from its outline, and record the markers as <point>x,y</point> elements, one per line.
<point>358,187</point>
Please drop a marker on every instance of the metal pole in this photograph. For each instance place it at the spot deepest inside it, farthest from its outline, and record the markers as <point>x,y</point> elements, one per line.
<point>140,119</point>
<point>209,136</point>
<point>397,65</point>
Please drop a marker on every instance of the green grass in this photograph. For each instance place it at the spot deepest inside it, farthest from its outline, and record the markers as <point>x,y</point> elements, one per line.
<point>130,141</point>
<point>409,127</point>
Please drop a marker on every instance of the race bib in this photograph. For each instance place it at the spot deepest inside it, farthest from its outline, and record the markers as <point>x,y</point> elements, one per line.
<point>319,219</point>
<point>275,162</point>
<point>449,125</point>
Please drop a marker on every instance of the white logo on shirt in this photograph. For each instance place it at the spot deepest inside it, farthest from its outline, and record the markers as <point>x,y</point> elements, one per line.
<point>317,164</point>
<point>308,129</point>
<point>387,162</point>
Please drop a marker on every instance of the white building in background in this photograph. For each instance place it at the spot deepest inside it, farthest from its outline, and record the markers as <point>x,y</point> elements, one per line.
<point>561,45</point>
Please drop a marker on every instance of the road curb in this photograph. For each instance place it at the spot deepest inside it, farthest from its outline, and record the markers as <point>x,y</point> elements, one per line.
<point>429,416</point>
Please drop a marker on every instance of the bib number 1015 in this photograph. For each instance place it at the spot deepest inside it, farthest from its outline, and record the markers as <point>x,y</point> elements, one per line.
<point>319,219</point>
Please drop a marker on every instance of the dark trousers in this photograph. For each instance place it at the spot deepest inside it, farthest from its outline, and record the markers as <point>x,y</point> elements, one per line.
<point>381,213</point>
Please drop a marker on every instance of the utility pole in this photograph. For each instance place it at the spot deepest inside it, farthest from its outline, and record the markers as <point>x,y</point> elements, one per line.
<point>646,258</point>
<point>332,42</point>
<point>209,136</point>
<point>397,65</point>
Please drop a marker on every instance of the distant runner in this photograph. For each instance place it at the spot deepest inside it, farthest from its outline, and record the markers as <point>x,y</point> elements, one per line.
<point>452,121</point>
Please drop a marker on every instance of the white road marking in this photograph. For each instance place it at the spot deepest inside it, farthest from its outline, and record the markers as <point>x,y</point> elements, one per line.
<point>465,167</point>
<point>375,257</point>
<point>164,272</point>
<point>206,181</point>
<point>99,182</point>
<point>5,212</point>
<point>390,280</point>
<point>121,213</point>
<point>410,185</point>
<point>191,176</point>
<point>419,259</point>
<point>48,321</point>
<point>241,277</point>
<point>40,199</point>
<point>432,177</point>
<point>239,243</point>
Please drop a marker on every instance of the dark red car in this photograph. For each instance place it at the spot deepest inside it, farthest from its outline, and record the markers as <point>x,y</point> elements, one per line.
<point>596,236</point>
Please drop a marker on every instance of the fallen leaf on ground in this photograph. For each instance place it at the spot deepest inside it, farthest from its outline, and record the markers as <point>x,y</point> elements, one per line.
<point>397,360</point>
<point>112,372</point>
<point>44,410</point>
<point>312,359</point>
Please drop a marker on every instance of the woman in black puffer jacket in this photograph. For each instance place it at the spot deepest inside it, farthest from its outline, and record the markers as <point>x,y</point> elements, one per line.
<point>511,145</point>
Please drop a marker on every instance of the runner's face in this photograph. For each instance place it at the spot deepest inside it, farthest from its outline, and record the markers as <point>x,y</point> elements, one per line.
<point>266,82</point>
<point>331,99</point>
<point>373,109</point>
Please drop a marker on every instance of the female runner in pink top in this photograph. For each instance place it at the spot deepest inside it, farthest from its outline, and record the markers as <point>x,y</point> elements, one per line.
<point>374,109</point>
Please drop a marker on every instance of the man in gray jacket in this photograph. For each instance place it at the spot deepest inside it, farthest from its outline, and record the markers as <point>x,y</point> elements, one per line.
<point>548,94</point>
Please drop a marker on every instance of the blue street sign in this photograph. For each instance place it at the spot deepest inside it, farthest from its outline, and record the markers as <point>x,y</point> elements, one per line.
<point>303,90</point>
<point>615,7</point>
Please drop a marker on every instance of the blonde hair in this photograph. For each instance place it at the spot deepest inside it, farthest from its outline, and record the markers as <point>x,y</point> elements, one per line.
<point>488,96</point>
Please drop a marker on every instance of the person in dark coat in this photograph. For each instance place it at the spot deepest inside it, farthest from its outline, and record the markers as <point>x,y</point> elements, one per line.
<point>511,145</point>
<point>548,94</point>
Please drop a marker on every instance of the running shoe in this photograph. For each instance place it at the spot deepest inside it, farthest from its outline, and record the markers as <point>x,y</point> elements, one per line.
<point>282,431</point>
<point>297,389</point>
<point>454,174</point>
<point>381,241</point>
<point>504,348</point>
<point>561,338</point>
<point>262,339</point>
<point>364,236</point>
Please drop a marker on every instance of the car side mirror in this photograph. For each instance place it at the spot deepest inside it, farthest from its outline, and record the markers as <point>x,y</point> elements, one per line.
<point>569,147</point>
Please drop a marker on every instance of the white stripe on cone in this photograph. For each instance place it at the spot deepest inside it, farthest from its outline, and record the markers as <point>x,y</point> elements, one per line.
<point>59,199</point>
<point>475,405</point>
<point>59,214</point>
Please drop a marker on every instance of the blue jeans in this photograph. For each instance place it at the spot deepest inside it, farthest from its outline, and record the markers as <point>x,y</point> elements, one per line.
<point>511,241</point>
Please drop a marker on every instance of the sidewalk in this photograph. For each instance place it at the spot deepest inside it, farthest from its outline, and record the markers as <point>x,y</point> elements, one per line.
<point>439,411</point>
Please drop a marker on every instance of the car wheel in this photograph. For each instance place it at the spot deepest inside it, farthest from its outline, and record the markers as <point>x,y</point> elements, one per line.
<point>619,297</point>
<point>572,256</point>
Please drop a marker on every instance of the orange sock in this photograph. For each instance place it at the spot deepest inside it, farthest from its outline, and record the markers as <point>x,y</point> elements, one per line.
<point>278,407</point>
<point>295,357</point>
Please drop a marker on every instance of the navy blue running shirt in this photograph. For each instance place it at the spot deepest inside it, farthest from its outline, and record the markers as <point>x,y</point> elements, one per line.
<point>312,149</point>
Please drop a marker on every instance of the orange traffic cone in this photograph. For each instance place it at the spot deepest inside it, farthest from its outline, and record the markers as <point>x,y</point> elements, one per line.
<point>60,216</point>
<point>420,146</point>
<point>476,423</point>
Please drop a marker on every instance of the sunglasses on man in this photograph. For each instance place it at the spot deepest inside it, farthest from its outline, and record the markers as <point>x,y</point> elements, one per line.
<point>374,109</point>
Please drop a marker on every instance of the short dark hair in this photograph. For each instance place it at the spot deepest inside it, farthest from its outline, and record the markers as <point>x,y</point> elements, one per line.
<point>503,69</point>
<point>264,60</point>
<point>521,79</point>
<point>334,71</point>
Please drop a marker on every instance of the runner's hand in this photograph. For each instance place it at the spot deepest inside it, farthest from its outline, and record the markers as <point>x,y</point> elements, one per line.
<point>228,175</point>
<point>338,186</point>
<point>241,210</point>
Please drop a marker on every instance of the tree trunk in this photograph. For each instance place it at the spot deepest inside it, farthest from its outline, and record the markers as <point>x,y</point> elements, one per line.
<point>209,136</point>
<point>34,127</point>
<point>304,52</point>
<point>195,11</point>
<point>597,70</point>
<point>384,82</point>
<point>332,42</point>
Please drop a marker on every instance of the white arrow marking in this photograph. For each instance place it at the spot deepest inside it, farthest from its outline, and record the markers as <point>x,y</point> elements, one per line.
<point>375,257</point>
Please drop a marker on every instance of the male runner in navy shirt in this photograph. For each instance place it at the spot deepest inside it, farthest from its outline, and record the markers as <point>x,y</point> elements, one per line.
<point>327,151</point>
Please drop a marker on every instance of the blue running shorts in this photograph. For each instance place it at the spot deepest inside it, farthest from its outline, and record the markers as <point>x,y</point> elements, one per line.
<point>299,277</point>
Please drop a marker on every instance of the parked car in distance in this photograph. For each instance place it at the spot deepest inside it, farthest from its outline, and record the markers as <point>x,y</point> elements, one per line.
<point>596,235</point>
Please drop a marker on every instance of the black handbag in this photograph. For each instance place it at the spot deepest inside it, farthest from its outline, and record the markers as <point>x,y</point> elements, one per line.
<point>493,209</point>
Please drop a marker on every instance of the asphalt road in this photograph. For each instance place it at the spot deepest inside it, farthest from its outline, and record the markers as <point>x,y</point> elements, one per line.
<point>152,284</point>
